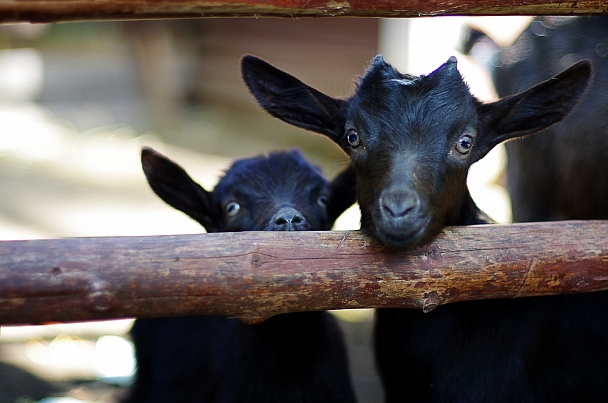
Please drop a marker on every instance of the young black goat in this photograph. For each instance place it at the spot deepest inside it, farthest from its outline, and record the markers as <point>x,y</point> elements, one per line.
<point>563,173</point>
<point>411,140</point>
<point>297,357</point>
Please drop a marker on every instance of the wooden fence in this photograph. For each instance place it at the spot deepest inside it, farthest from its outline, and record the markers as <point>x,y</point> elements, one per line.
<point>254,275</point>
<point>70,10</point>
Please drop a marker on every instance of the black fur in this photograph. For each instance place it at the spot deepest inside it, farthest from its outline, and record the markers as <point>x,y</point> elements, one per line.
<point>297,357</point>
<point>411,142</point>
<point>563,173</point>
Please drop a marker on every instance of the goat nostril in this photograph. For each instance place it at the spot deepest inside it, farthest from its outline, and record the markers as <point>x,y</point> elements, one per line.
<point>281,221</point>
<point>288,217</point>
<point>398,205</point>
<point>288,220</point>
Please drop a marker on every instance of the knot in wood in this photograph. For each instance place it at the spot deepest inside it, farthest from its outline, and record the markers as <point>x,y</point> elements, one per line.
<point>432,251</point>
<point>256,260</point>
<point>100,297</point>
<point>432,301</point>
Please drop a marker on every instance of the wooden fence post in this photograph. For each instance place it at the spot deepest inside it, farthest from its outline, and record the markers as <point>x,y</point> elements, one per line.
<point>254,275</point>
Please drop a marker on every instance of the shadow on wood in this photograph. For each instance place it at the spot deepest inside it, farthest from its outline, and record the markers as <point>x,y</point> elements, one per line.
<point>254,275</point>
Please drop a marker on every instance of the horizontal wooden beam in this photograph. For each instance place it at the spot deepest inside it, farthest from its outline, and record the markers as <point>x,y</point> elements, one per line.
<point>71,10</point>
<point>254,275</point>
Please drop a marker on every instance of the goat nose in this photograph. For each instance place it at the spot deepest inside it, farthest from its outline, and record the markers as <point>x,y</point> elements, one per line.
<point>398,204</point>
<point>287,216</point>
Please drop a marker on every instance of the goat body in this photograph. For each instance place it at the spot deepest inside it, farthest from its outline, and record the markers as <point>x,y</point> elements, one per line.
<point>297,357</point>
<point>411,140</point>
<point>563,173</point>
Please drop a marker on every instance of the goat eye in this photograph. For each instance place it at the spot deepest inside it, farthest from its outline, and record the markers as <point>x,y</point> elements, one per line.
<point>464,144</point>
<point>322,201</point>
<point>353,138</point>
<point>233,209</point>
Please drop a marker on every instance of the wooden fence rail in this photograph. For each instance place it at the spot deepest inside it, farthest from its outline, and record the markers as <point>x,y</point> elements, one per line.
<point>254,275</point>
<point>70,10</point>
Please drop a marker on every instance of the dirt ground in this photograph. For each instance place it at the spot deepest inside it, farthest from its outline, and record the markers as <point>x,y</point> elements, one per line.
<point>22,380</point>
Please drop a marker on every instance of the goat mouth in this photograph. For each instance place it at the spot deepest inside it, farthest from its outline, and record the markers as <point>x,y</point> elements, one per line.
<point>291,227</point>
<point>402,236</point>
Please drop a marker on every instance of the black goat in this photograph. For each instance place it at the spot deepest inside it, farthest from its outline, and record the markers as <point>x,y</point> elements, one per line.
<point>563,173</point>
<point>298,357</point>
<point>411,141</point>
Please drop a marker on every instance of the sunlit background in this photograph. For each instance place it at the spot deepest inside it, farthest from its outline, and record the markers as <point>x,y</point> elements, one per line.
<point>79,100</point>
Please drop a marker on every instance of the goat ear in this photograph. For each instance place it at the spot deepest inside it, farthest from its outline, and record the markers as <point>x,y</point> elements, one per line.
<point>172,184</point>
<point>287,98</point>
<point>532,110</point>
<point>342,193</point>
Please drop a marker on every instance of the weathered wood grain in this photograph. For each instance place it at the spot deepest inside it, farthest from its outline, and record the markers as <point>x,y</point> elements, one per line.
<point>254,275</point>
<point>70,10</point>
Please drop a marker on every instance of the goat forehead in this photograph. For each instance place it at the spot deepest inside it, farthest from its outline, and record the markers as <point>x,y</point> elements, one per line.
<point>269,184</point>
<point>396,105</point>
<point>429,128</point>
<point>266,174</point>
